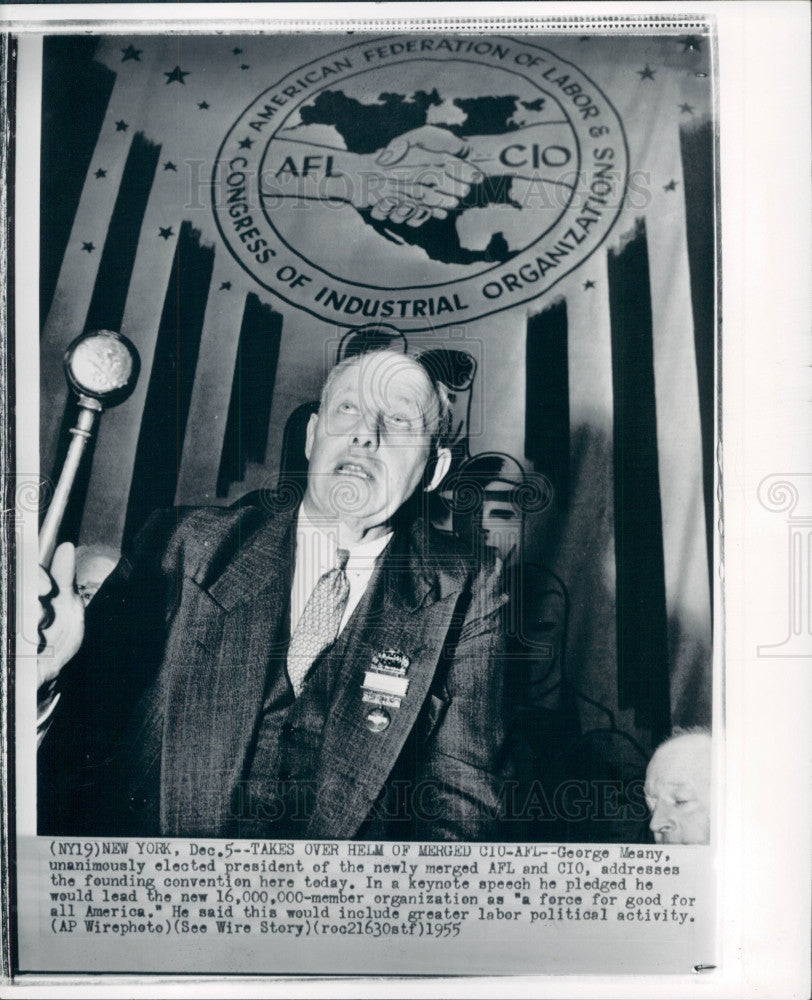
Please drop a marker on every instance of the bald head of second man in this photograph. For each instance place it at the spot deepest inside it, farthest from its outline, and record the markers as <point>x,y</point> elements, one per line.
<point>678,780</point>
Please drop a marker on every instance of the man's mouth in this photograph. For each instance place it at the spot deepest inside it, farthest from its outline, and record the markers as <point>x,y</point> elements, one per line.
<point>354,469</point>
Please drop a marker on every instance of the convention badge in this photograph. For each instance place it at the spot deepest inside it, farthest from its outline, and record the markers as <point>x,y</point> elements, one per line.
<point>385,685</point>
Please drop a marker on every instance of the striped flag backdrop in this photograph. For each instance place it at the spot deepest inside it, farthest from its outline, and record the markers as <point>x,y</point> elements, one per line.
<point>602,380</point>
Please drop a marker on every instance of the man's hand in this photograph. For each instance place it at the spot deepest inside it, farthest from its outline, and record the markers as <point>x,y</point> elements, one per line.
<point>425,174</point>
<point>420,175</point>
<point>62,625</point>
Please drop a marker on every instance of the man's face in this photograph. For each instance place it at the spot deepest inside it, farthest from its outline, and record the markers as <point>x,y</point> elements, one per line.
<point>369,444</point>
<point>501,520</point>
<point>678,790</point>
<point>91,572</point>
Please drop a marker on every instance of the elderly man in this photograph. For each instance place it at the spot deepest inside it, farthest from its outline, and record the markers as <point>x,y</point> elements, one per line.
<point>677,789</point>
<point>328,671</point>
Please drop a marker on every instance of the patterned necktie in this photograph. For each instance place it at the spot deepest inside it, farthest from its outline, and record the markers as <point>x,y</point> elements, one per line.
<point>320,621</point>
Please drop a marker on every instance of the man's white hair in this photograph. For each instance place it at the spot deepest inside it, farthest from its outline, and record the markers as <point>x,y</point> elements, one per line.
<point>439,432</point>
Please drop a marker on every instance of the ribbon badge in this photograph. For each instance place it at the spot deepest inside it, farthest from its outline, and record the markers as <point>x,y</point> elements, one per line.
<point>385,686</point>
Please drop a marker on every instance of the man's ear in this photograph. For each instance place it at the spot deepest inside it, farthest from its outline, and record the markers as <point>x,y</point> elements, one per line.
<point>311,433</point>
<point>442,463</point>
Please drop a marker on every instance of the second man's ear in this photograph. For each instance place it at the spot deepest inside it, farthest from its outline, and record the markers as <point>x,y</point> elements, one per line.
<point>442,463</point>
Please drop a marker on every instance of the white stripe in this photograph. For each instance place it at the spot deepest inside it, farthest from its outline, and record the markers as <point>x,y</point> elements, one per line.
<point>385,683</point>
<point>211,395</point>
<point>77,275</point>
<point>679,442</point>
<point>114,458</point>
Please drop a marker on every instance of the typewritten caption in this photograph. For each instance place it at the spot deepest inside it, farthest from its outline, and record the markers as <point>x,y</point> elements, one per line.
<point>284,889</point>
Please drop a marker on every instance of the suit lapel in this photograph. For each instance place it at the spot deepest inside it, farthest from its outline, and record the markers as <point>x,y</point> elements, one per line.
<point>221,645</point>
<point>406,609</point>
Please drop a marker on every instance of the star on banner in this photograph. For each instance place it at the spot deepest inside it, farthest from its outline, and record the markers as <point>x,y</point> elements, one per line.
<point>691,43</point>
<point>165,233</point>
<point>100,173</point>
<point>670,186</point>
<point>169,165</point>
<point>245,66</point>
<point>121,126</point>
<point>588,284</point>
<point>176,74</point>
<point>131,52</point>
<point>686,109</point>
<point>647,73</point>
<point>245,143</point>
<point>89,247</point>
<point>203,105</point>
<point>225,286</point>
<point>237,52</point>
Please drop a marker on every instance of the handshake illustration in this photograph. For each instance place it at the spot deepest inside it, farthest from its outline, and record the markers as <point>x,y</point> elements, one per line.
<point>420,175</point>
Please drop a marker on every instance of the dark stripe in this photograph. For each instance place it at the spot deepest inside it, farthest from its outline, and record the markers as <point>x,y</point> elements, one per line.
<point>115,268</point>
<point>696,144</point>
<point>643,682</point>
<point>547,397</point>
<point>249,411</point>
<point>166,408</point>
<point>75,93</point>
<point>71,120</point>
<point>292,461</point>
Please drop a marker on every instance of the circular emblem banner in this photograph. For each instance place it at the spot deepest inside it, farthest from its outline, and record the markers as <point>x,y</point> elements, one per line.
<point>422,180</point>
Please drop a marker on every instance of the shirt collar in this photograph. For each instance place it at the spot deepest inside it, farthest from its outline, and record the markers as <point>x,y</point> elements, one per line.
<point>360,551</point>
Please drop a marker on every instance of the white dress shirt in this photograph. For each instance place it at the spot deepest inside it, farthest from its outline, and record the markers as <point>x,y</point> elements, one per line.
<point>316,548</point>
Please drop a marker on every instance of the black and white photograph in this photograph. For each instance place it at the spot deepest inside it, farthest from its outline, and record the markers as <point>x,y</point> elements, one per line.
<point>372,499</point>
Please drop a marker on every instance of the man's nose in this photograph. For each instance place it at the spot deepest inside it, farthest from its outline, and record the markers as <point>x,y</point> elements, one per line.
<point>661,819</point>
<point>367,431</point>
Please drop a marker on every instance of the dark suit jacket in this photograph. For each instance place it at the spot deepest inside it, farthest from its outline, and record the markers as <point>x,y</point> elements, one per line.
<point>157,713</point>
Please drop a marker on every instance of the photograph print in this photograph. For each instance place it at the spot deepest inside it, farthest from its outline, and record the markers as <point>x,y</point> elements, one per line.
<point>377,435</point>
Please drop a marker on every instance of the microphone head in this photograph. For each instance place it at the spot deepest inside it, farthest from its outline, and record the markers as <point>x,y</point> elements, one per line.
<point>102,366</point>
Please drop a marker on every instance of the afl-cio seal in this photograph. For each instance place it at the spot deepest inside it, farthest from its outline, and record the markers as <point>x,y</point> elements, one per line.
<point>428,179</point>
